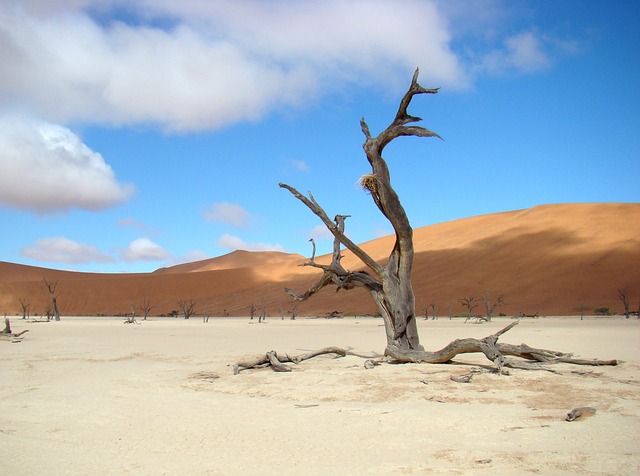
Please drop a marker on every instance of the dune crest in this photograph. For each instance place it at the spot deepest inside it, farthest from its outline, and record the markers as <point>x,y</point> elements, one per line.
<point>549,259</point>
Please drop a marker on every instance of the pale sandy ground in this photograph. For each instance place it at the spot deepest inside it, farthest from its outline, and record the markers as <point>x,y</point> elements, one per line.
<point>95,396</point>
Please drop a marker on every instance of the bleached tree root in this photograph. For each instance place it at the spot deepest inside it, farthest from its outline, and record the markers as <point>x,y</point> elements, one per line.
<point>534,359</point>
<point>276,362</point>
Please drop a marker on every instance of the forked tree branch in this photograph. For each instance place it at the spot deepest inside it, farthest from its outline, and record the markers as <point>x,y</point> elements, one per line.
<point>334,229</point>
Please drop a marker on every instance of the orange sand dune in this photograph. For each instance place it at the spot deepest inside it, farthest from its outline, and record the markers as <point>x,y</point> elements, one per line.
<point>549,259</point>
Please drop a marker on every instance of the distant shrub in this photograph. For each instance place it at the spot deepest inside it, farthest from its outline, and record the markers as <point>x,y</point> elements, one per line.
<point>602,311</point>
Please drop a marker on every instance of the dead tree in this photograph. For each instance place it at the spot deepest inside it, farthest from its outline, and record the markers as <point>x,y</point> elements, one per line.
<point>25,304</point>
<point>51,287</point>
<point>491,307</point>
<point>146,307</point>
<point>252,311</point>
<point>581,308</point>
<point>187,306</point>
<point>432,306</point>
<point>262,317</point>
<point>470,303</point>
<point>623,295</point>
<point>390,284</point>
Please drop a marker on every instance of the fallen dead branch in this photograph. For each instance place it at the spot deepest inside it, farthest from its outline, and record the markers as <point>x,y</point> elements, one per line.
<point>276,362</point>
<point>7,334</point>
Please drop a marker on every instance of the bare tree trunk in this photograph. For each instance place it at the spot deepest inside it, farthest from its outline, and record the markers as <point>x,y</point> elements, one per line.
<point>187,307</point>
<point>146,307</point>
<point>489,307</point>
<point>51,287</point>
<point>25,304</point>
<point>623,295</point>
<point>470,303</point>
<point>390,285</point>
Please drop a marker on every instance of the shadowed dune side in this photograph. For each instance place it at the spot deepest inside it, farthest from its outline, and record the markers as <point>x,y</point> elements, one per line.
<point>548,259</point>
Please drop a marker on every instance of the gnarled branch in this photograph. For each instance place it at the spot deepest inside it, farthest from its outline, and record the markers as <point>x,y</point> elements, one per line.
<point>334,229</point>
<point>493,351</point>
<point>275,361</point>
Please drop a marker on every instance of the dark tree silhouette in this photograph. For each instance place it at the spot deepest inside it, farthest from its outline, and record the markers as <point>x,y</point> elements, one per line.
<point>25,305</point>
<point>187,306</point>
<point>491,307</point>
<point>623,295</point>
<point>51,288</point>
<point>146,307</point>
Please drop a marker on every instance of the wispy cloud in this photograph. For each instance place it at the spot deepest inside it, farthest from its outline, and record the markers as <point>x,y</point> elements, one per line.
<point>227,213</point>
<point>523,53</point>
<point>300,165</point>
<point>193,255</point>
<point>232,242</point>
<point>143,249</point>
<point>45,167</point>
<point>381,232</point>
<point>59,249</point>
<point>129,222</point>
<point>320,232</point>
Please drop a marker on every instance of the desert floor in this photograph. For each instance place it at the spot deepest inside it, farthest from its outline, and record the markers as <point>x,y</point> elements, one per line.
<point>95,396</point>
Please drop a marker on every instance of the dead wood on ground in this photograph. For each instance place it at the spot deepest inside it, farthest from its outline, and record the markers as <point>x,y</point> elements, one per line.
<point>7,334</point>
<point>530,358</point>
<point>276,361</point>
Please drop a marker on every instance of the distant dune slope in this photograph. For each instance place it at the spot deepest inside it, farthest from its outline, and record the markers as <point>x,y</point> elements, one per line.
<point>549,259</point>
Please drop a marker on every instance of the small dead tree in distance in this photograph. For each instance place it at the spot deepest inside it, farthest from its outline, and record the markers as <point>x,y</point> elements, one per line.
<point>187,306</point>
<point>25,305</point>
<point>146,307</point>
<point>390,285</point>
<point>470,303</point>
<point>623,295</point>
<point>491,307</point>
<point>51,288</point>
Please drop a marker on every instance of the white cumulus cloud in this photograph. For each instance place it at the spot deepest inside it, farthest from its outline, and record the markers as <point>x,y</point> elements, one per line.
<point>45,167</point>
<point>211,63</point>
<point>235,243</point>
<point>228,213</point>
<point>143,249</point>
<point>59,249</point>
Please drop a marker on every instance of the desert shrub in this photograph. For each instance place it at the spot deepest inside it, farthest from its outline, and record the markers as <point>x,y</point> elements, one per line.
<point>602,311</point>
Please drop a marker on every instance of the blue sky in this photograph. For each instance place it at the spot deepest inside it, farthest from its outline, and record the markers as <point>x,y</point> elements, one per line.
<point>133,138</point>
